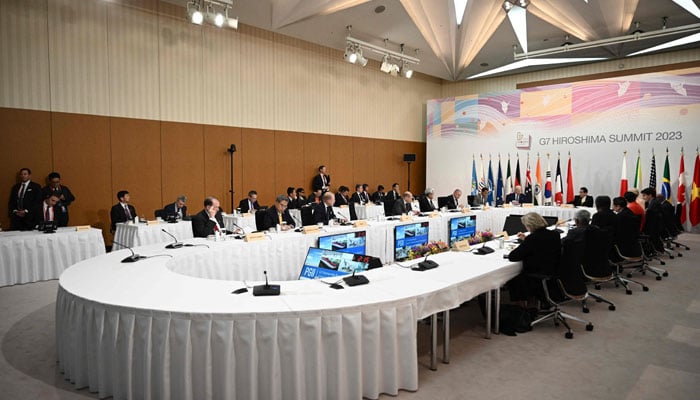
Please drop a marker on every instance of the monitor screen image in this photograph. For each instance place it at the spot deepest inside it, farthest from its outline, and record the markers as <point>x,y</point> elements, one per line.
<point>320,263</point>
<point>461,228</point>
<point>350,242</point>
<point>406,237</point>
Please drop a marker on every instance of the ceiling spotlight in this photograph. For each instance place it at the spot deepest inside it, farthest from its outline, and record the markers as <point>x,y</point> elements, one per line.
<point>219,20</point>
<point>214,12</point>
<point>509,4</point>
<point>232,23</point>
<point>566,41</point>
<point>406,70</point>
<point>386,65</point>
<point>636,31</point>
<point>194,14</point>
<point>350,54</point>
<point>360,58</point>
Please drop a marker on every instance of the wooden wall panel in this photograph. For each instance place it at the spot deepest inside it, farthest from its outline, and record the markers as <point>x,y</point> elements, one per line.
<point>289,170</point>
<point>136,163</point>
<point>217,166</point>
<point>387,165</point>
<point>316,152</point>
<point>81,155</point>
<point>363,161</point>
<point>258,156</point>
<point>182,152</point>
<point>340,163</point>
<point>25,141</point>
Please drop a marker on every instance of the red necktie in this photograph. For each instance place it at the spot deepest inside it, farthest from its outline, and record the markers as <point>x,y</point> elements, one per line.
<point>47,214</point>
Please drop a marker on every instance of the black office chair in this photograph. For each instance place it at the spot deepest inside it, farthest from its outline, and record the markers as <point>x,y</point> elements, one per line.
<point>595,265</point>
<point>470,200</point>
<point>442,201</point>
<point>569,279</point>
<point>158,213</point>
<point>307,216</point>
<point>259,219</point>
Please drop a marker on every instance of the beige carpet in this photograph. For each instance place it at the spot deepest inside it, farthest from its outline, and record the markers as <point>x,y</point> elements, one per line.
<point>649,348</point>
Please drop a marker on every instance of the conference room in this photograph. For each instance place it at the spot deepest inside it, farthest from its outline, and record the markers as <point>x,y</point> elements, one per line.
<point>147,279</point>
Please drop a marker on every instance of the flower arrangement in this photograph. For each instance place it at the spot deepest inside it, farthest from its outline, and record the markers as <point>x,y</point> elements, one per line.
<point>480,237</point>
<point>430,248</point>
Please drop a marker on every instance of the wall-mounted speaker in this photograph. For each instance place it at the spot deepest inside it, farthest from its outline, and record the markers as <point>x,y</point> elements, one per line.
<point>408,157</point>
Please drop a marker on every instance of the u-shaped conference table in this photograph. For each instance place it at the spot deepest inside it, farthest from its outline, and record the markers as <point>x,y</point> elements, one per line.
<point>169,326</point>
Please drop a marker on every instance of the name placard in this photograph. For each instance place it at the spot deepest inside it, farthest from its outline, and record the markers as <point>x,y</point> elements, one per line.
<point>359,223</point>
<point>434,214</point>
<point>528,205</point>
<point>504,234</point>
<point>406,218</point>
<point>153,222</point>
<point>310,229</point>
<point>567,206</point>
<point>255,236</point>
<point>462,245</point>
<point>507,205</point>
<point>343,206</point>
<point>82,228</point>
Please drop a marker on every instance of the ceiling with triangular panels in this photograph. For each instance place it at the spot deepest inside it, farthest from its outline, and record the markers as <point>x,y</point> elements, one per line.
<point>483,41</point>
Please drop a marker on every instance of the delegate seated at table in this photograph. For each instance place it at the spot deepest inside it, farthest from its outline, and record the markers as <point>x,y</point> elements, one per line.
<point>209,220</point>
<point>122,211</point>
<point>278,215</point>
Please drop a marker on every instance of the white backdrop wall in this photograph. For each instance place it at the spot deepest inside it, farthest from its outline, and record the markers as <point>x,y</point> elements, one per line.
<point>596,121</point>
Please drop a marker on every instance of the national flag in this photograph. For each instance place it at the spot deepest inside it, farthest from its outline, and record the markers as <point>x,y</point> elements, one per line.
<point>548,185</point>
<point>666,182</point>
<point>569,183</point>
<point>491,185</point>
<point>695,194</point>
<point>475,179</point>
<point>623,179</point>
<point>509,180</point>
<point>538,183</point>
<point>499,184</point>
<point>517,173</point>
<point>558,194</point>
<point>482,181</point>
<point>652,174</point>
<point>638,171</point>
<point>528,182</point>
<point>681,190</point>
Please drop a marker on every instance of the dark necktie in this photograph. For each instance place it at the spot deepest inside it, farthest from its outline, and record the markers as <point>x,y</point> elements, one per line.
<point>20,203</point>
<point>47,214</point>
<point>329,211</point>
<point>127,212</point>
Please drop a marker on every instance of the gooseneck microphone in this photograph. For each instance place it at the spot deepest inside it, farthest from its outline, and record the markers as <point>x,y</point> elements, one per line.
<point>355,280</point>
<point>133,257</point>
<point>426,264</point>
<point>266,289</point>
<point>175,245</point>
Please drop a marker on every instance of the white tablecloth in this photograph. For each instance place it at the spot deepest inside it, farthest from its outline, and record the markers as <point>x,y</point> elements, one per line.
<point>133,235</point>
<point>368,211</point>
<point>35,256</point>
<point>242,220</point>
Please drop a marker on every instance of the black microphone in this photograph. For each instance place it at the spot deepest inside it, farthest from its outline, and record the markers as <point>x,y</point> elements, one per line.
<point>133,257</point>
<point>175,245</point>
<point>266,289</point>
<point>427,264</point>
<point>355,280</point>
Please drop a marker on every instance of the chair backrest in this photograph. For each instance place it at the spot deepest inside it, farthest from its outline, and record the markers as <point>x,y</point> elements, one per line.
<point>307,216</point>
<point>158,213</point>
<point>596,250</point>
<point>470,199</point>
<point>627,236</point>
<point>442,201</point>
<point>259,219</point>
<point>569,274</point>
<point>679,213</point>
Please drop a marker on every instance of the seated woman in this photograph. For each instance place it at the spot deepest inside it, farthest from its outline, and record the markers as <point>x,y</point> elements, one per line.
<point>540,252</point>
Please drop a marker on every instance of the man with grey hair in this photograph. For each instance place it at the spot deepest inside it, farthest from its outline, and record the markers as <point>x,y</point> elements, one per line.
<point>427,201</point>
<point>178,208</point>
<point>278,215</point>
<point>576,234</point>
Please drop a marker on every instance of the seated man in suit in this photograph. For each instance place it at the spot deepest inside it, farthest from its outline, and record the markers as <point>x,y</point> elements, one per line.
<point>64,194</point>
<point>178,208</point>
<point>50,211</point>
<point>357,198</point>
<point>342,198</point>
<point>278,215</point>
<point>583,199</point>
<point>604,218</point>
<point>250,203</point>
<point>453,200</point>
<point>24,197</point>
<point>122,211</point>
<point>482,198</point>
<point>301,197</point>
<point>391,196</point>
<point>323,212</point>
<point>365,193</point>
<point>582,221</point>
<point>403,206</point>
<point>427,202</point>
<point>315,197</point>
<point>292,198</point>
<point>517,197</point>
<point>627,228</point>
<point>322,181</point>
<point>209,220</point>
<point>379,195</point>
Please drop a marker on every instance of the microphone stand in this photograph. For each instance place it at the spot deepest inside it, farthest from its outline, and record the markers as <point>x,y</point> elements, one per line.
<point>266,289</point>
<point>175,245</point>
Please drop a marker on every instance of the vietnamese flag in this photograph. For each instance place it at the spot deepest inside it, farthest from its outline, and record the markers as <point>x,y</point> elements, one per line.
<point>695,194</point>
<point>569,183</point>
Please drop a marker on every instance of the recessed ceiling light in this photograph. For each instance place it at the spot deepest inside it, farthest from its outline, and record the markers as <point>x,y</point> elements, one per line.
<point>379,9</point>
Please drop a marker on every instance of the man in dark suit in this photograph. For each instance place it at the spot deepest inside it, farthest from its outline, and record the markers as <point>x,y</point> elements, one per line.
<point>292,199</point>
<point>250,203</point>
<point>391,198</point>
<point>64,194</point>
<point>604,218</point>
<point>209,221</point>
<point>323,212</point>
<point>356,198</point>
<point>122,211</point>
<point>178,208</point>
<point>278,215</point>
<point>403,206</point>
<point>427,202</point>
<point>301,197</point>
<point>322,181</point>
<point>517,197</point>
<point>481,198</point>
<point>583,199</point>
<point>315,197</point>
<point>49,211</point>
<point>379,195</point>
<point>365,193</point>
<point>342,197</point>
<point>24,197</point>
<point>453,200</point>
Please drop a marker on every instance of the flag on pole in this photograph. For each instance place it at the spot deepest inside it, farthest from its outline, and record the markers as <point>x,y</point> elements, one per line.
<point>569,183</point>
<point>548,185</point>
<point>528,182</point>
<point>475,179</point>
<point>499,184</point>
<point>517,172</point>
<point>623,179</point>
<point>509,180</point>
<point>652,174</point>
<point>681,190</point>
<point>558,194</point>
<point>666,182</point>
<point>695,193</point>
<point>490,182</point>
<point>538,183</point>
<point>638,171</point>
<point>482,181</point>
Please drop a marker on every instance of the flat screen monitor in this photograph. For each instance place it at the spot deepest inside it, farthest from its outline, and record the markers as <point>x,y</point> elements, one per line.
<point>350,242</point>
<point>406,237</point>
<point>513,224</point>
<point>462,227</point>
<point>320,263</point>
<point>551,220</point>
